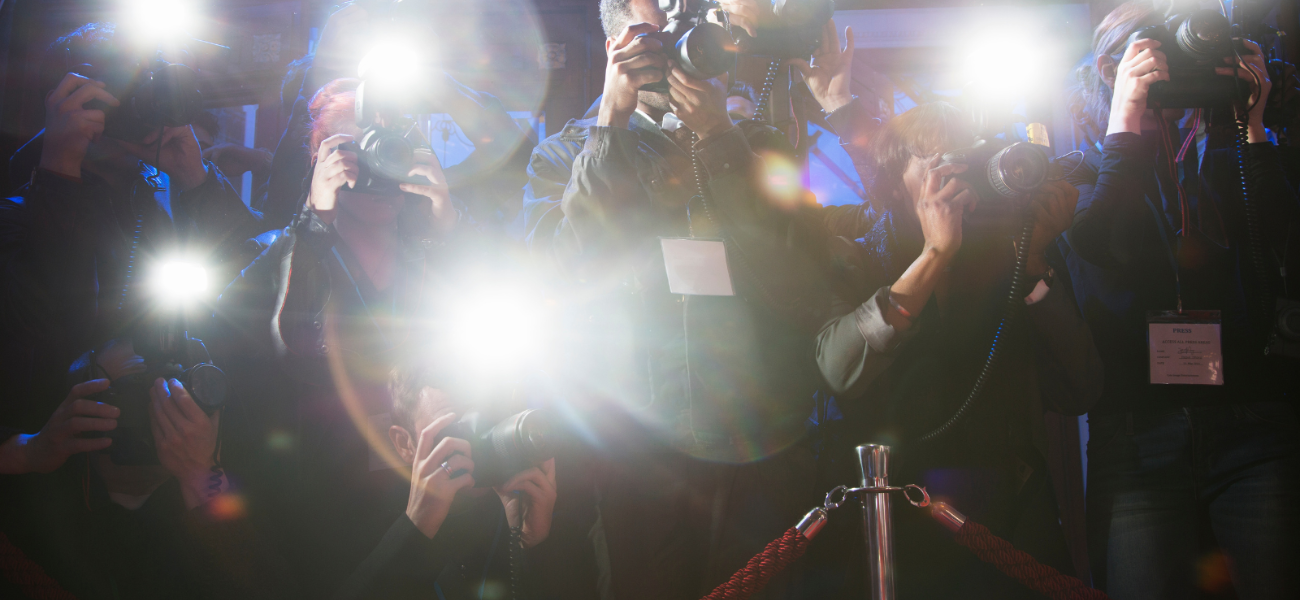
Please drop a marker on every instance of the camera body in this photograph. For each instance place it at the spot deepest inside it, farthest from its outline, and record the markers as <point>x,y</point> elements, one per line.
<point>706,50</point>
<point>1284,340</point>
<point>1195,44</point>
<point>384,158</point>
<point>503,449</point>
<point>168,352</point>
<point>152,94</point>
<point>999,170</point>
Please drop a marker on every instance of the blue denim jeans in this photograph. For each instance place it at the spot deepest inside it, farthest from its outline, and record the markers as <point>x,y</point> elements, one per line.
<point>1163,488</point>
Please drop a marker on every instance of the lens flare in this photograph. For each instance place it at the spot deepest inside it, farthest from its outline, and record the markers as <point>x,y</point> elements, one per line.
<point>158,20</point>
<point>178,281</point>
<point>781,180</point>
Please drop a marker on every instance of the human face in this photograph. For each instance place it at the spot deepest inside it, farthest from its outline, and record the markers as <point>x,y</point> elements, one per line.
<point>647,11</point>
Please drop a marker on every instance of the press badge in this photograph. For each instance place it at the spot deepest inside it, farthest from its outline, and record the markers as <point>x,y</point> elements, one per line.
<point>697,267</point>
<point>1185,347</point>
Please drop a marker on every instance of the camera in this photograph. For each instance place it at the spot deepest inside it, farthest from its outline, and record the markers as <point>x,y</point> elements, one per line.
<point>384,157</point>
<point>705,50</point>
<point>168,352</point>
<point>1001,170</point>
<point>152,92</point>
<point>504,449</point>
<point>1194,45</point>
<point>1284,340</point>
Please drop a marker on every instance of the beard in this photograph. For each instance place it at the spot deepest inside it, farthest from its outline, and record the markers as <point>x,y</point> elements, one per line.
<point>656,100</point>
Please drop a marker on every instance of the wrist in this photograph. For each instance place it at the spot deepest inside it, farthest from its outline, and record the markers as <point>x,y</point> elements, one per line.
<point>937,254</point>
<point>714,129</point>
<point>1037,265</point>
<point>14,455</point>
<point>427,526</point>
<point>1255,133</point>
<point>189,178</point>
<point>1124,123</point>
<point>609,116</point>
<point>834,102</point>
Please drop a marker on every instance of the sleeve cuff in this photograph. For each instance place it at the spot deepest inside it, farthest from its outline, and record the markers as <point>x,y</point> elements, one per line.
<point>870,317</point>
<point>724,153</point>
<point>1128,152</point>
<point>602,140</point>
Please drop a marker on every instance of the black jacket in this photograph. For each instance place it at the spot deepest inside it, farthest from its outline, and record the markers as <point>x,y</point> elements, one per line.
<point>65,250</point>
<point>1122,266</point>
<point>720,377</point>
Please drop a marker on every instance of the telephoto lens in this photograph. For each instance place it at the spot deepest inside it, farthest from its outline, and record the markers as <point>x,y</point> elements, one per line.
<point>1000,171</point>
<point>515,444</point>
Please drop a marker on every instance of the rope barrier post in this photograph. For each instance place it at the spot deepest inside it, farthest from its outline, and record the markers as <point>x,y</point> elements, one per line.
<point>877,524</point>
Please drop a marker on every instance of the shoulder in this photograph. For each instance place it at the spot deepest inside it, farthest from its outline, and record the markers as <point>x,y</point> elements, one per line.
<point>555,155</point>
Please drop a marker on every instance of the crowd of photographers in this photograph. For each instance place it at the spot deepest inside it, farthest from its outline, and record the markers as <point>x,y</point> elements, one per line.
<point>343,450</point>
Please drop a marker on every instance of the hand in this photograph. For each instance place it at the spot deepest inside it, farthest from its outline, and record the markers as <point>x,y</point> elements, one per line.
<point>634,60</point>
<point>234,160</point>
<point>831,71</point>
<point>750,15</point>
<point>1260,86</point>
<point>529,497</point>
<point>1141,66</point>
<point>61,437</point>
<point>186,439</point>
<point>700,104</point>
<point>941,207</point>
<point>180,156</point>
<point>432,485</point>
<point>1053,208</point>
<point>333,170</point>
<point>341,40</point>
<point>444,214</point>
<point>69,126</point>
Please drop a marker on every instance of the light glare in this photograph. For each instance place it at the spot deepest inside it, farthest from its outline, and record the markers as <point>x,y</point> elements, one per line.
<point>161,19</point>
<point>179,281</point>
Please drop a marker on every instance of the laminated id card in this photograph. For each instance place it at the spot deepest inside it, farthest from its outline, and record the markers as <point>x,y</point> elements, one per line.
<point>697,267</point>
<point>1185,347</point>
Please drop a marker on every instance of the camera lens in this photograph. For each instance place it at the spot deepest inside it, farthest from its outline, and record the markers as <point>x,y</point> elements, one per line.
<point>523,439</point>
<point>1203,35</point>
<point>1018,169</point>
<point>1288,321</point>
<point>207,385</point>
<point>706,51</point>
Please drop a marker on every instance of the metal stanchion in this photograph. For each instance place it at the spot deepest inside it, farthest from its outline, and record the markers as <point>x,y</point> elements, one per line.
<point>877,525</point>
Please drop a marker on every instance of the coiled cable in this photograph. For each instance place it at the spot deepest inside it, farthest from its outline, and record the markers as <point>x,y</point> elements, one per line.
<point>1015,303</point>
<point>515,551</point>
<point>1254,226</point>
<point>764,110</point>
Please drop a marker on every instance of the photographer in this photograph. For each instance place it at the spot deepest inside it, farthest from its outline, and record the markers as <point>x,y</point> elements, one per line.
<point>918,302</point>
<point>487,181</point>
<point>1159,230</point>
<point>716,389</point>
<point>101,529</point>
<point>454,539</point>
<point>95,211</point>
<point>308,333</point>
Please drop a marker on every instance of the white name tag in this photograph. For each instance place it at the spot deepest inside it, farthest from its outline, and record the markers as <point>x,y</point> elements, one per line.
<point>697,267</point>
<point>1185,348</point>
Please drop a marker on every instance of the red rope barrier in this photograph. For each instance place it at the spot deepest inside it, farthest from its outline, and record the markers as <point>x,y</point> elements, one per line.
<point>27,575</point>
<point>1021,566</point>
<point>778,554</point>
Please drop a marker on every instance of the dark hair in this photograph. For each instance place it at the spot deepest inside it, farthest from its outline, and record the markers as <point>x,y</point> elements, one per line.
<point>92,44</point>
<point>330,108</point>
<point>744,90</point>
<point>921,131</point>
<point>1089,99</point>
<point>615,15</point>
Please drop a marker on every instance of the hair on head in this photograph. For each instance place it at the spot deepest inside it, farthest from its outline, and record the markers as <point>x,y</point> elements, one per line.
<point>1089,99</point>
<point>331,108</point>
<point>920,132</point>
<point>615,16</point>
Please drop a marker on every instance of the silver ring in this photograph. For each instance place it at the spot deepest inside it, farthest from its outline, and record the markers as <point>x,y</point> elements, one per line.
<point>446,468</point>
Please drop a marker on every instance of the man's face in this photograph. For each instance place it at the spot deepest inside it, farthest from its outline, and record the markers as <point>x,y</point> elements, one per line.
<point>431,405</point>
<point>647,11</point>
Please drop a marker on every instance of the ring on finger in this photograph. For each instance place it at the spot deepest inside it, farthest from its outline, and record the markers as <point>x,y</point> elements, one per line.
<point>446,468</point>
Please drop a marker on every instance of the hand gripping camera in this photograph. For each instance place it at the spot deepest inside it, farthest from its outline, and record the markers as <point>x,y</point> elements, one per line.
<point>168,352</point>
<point>999,170</point>
<point>521,441</point>
<point>1194,45</point>
<point>706,50</point>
